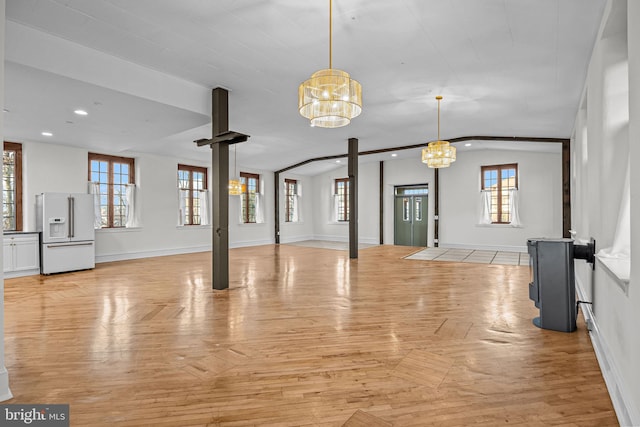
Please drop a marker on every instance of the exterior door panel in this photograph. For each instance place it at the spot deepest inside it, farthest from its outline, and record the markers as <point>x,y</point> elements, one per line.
<point>410,216</point>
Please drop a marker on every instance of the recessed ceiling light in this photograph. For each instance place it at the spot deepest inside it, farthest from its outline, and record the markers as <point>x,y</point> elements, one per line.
<point>394,155</point>
<point>468,144</point>
<point>81,112</point>
<point>5,110</point>
<point>46,134</point>
<point>337,161</point>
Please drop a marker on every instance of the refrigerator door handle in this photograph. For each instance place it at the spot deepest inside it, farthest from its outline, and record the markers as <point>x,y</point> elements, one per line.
<point>66,245</point>
<point>71,216</point>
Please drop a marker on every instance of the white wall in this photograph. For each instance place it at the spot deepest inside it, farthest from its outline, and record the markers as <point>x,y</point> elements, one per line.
<point>540,199</point>
<point>253,234</point>
<point>59,168</point>
<point>632,368</point>
<point>405,172</point>
<point>302,229</point>
<point>606,135</point>
<point>325,226</point>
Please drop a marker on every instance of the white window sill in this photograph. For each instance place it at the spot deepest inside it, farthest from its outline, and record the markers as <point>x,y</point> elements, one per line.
<point>194,227</point>
<point>118,230</point>
<point>251,224</point>
<point>292,222</point>
<point>338,222</point>
<point>499,226</point>
<point>619,269</point>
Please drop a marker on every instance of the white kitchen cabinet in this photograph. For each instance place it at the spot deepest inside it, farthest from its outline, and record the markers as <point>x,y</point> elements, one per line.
<point>21,254</point>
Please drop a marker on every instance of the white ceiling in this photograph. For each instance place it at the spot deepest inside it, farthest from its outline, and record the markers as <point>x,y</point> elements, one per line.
<point>144,70</point>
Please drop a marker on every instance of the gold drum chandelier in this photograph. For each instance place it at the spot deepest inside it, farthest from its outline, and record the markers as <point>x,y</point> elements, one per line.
<point>439,154</point>
<point>330,98</point>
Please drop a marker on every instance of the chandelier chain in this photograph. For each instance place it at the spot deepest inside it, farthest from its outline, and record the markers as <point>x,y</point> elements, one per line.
<point>330,33</point>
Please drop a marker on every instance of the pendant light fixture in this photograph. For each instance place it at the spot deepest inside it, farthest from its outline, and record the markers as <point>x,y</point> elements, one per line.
<point>330,98</point>
<point>439,154</point>
<point>236,187</point>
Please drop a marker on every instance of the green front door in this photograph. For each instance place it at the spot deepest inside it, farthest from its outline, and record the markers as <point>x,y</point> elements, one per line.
<point>410,223</point>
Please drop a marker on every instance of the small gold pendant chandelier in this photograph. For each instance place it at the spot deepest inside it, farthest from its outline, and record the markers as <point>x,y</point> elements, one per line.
<point>330,98</point>
<point>439,154</point>
<point>236,187</point>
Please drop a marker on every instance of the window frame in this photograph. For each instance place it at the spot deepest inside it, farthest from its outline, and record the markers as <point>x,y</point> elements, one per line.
<point>500,195</point>
<point>245,197</point>
<point>191,169</point>
<point>290,191</point>
<point>17,172</point>
<point>111,160</point>
<point>342,199</point>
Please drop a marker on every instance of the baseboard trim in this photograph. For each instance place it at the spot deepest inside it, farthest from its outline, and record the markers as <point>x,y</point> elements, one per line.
<point>295,239</point>
<point>150,254</point>
<point>343,239</point>
<point>501,248</point>
<point>248,243</point>
<point>625,409</point>
<point>22,273</point>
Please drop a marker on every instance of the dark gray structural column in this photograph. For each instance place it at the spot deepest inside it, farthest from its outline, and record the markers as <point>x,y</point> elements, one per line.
<point>381,203</point>
<point>276,179</point>
<point>220,223</point>
<point>220,193</point>
<point>436,207</point>
<point>221,138</point>
<point>353,197</point>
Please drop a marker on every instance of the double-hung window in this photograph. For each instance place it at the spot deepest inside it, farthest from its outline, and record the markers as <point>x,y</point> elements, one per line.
<point>12,186</point>
<point>192,182</point>
<point>499,180</point>
<point>341,192</point>
<point>290,196</point>
<point>250,196</point>
<point>112,175</point>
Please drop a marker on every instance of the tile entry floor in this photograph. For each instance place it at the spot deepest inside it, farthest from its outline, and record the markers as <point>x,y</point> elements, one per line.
<point>470,255</point>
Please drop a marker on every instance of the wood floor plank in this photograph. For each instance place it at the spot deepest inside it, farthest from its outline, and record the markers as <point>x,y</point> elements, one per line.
<point>362,419</point>
<point>303,337</point>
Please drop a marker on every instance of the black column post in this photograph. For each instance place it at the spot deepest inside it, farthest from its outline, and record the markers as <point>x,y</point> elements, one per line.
<point>566,188</point>
<point>353,197</point>
<point>381,202</point>
<point>220,193</point>
<point>436,207</point>
<point>219,143</point>
<point>276,179</point>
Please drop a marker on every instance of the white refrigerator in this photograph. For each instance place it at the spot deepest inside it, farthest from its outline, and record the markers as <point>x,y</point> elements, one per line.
<point>67,237</point>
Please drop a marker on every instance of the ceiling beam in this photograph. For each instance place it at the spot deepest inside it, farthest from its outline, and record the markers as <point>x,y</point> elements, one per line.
<point>424,144</point>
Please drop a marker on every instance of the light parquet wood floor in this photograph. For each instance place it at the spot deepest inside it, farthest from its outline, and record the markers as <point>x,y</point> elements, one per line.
<point>304,337</point>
